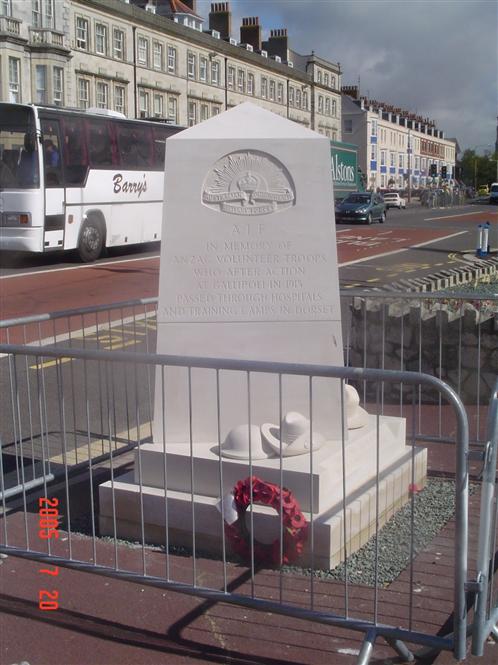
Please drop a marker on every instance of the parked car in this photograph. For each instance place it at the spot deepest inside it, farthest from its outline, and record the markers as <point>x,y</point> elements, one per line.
<point>394,200</point>
<point>483,190</point>
<point>363,207</point>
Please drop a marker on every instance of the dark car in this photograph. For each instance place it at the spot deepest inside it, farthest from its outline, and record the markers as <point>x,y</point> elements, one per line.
<point>365,207</point>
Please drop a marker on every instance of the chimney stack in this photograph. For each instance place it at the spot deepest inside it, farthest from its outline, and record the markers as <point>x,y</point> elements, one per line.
<point>190,4</point>
<point>220,19</point>
<point>250,32</point>
<point>278,44</point>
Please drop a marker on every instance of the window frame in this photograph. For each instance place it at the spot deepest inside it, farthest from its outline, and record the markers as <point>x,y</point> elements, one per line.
<point>102,86</point>
<point>86,85</point>
<point>172,59</point>
<point>115,51</point>
<point>155,52</point>
<point>104,37</point>
<point>82,25</point>
<point>56,71</point>
<point>15,84</point>
<point>191,65</point>
<point>141,42</point>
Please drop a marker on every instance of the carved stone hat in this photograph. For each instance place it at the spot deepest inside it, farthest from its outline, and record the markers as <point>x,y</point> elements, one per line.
<point>294,432</point>
<point>236,444</point>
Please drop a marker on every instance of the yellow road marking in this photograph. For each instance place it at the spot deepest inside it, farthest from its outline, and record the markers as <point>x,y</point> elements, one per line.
<point>49,363</point>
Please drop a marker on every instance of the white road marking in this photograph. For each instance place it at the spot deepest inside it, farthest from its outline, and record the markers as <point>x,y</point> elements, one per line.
<point>404,249</point>
<point>462,214</point>
<point>82,267</point>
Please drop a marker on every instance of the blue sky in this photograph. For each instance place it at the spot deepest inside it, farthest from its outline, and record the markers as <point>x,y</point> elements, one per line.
<point>437,58</point>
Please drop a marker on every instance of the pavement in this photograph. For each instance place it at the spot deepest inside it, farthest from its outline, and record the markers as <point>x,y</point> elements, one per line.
<point>108,621</point>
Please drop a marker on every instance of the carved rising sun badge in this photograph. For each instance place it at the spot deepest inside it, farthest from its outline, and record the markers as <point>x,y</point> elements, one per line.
<point>248,182</point>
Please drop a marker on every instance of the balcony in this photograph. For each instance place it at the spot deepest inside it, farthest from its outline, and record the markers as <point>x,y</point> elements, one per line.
<point>46,37</point>
<point>10,26</point>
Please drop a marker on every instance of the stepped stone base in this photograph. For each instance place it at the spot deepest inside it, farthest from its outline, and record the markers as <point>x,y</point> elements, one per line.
<point>399,467</point>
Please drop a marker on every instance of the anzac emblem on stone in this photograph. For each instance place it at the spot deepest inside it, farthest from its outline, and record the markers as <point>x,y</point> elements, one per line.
<point>248,182</point>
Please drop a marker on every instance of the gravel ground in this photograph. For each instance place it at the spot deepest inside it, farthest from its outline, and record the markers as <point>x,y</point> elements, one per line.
<point>433,508</point>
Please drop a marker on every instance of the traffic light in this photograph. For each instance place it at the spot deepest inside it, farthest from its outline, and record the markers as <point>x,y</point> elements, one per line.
<point>433,170</point>
<point>444,171</point>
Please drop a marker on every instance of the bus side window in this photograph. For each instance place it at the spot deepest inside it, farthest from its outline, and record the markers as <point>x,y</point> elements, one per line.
<point>51,153</point>
<point>75,152</point>
<point>159,136</point>
<point>101,143</point>
<point>135,146</point>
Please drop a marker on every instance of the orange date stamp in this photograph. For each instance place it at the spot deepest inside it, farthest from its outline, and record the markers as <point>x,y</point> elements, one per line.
<point>48,523</point>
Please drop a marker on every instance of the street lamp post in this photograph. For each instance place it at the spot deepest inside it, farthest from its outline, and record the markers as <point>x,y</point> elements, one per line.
<point>409,154</point>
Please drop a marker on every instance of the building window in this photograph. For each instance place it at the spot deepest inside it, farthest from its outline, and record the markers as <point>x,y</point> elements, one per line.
<point>319,76</point>
<point>320,104</point>
<point>143,51</point>
<point>326,80</point>
<point>172,59</point>
<point>241,80</point>
<point>191,65</point>
<point>250,84</point>
<point>41,84</point>
<point>374,127</point>
<point>143,103</point>
<point>348,125</point>
<point>264,87</point>
<point>327,106</point>
<point>392,159</point>
<point>119,98</point>
<point>280,93</point>
<point>83,93</point>
<point>332,82</point>
<point>401,161</point>
<point>305,100</point>
<point>14,86</point>
<point>216,110</point>
<point>101,39</point>
<point>36,19</point>
<point>82,33</point>
<point>215,72</point>
<point>291,96</point>
<point>334,108</point>
<point>172,109</point>
<point>157,55</point>
<point>231,77</point>
<point>158,106</point>
<point>203,66</point>
<point>58,86</point>
<point>272,90</point>
<point>204,112</point>
<point>102,95</point>
<point>192,113</point>
<point>48,14</point>
<point>5,8</point>
<point>118,44</point>
<point>373,153</point>
<point>334,135</point>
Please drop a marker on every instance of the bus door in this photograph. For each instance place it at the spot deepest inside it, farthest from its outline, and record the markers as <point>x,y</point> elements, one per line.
<point>53,184</point>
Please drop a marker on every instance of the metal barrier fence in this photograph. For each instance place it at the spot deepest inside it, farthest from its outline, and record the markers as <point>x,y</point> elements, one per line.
<point>442,199</point>
<point>486,605</point>
<point>450,337</point>
<point>69,395</point>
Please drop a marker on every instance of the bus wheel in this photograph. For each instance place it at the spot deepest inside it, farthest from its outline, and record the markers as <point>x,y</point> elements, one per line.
<point>91,241</point>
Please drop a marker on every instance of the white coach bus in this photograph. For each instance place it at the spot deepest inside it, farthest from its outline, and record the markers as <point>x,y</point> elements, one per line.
<point>81,180</point>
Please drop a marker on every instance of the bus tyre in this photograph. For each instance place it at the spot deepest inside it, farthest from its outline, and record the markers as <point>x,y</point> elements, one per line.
<point>91,242</point>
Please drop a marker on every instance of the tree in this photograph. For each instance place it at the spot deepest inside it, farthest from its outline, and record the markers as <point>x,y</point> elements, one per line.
<point>478,169</point>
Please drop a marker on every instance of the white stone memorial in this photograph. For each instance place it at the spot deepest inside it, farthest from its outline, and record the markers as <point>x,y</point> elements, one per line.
<point>249,271</point>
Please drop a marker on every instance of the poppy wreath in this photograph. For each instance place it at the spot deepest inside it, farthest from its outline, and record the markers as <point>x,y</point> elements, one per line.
<point>295,526</point>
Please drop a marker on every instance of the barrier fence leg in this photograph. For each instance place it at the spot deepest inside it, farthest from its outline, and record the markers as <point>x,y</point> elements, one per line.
<point>402,650</point>
<point>367,648</point>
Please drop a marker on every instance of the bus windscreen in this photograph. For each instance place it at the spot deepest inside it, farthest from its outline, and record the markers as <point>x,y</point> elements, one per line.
<point>18,148</point>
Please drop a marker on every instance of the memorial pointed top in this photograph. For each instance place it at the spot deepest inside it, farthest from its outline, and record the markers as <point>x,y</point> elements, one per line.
<point>247,121</point>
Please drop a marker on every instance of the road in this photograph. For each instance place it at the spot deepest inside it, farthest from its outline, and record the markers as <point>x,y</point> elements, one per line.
<point>413,242</point>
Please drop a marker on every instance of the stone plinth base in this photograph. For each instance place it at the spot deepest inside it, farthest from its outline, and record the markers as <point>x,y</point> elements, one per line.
<point>361,512</point>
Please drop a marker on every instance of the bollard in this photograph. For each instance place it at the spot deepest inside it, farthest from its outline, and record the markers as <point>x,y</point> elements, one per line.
<point>483,247</point>
<point>479,240</point>
<point>485,237</point>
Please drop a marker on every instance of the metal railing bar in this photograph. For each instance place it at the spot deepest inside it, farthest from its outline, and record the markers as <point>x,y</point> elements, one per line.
<point>260,604</point>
